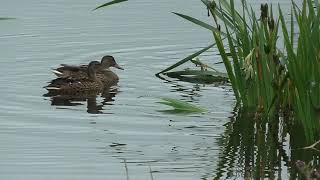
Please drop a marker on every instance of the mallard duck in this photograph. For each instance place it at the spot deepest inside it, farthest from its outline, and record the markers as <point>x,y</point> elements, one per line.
<point>74,84</point>
<point>81,71</point>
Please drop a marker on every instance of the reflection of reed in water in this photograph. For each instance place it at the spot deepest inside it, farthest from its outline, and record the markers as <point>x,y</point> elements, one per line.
<point>254,149</point>
<point>90,97</point>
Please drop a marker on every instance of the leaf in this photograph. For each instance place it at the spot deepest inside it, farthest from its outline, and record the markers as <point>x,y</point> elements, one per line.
<point>200,23</point>
<point>109,3</point>
<point>180,106</point>
<point>196,21</point>
<point>227,64</point>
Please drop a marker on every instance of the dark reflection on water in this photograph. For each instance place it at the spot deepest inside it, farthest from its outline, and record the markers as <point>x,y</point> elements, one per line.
<point>93,107</point>
<point>193,90</point>
<point>252,150</point>
<point>177,87</point>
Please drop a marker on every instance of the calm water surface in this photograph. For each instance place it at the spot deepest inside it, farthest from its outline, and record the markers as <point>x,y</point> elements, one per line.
<point>44,139</point>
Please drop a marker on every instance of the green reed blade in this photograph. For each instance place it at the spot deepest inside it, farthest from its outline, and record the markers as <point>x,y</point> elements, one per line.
<point>196,21</point>
<point>186,59</point>
<point>239,78</point>
<point>227,64</point>
<point>109,3</point>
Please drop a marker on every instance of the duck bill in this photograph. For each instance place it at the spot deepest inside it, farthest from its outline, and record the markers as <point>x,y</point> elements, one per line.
<point>117,66</point>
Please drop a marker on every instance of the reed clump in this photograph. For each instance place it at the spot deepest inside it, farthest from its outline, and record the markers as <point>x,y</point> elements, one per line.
<point>264,75</point>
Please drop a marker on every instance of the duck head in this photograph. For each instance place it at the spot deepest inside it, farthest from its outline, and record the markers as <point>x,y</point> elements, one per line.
<point>109,61</point>
<point>92,69</point>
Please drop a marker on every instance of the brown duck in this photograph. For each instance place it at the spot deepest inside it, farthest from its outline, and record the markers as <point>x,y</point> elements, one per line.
<point>103,73</point>
<point>89,83</point>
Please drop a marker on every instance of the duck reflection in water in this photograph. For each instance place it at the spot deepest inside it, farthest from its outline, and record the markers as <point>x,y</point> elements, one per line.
<point>84,83</point>
<point>93,107</point>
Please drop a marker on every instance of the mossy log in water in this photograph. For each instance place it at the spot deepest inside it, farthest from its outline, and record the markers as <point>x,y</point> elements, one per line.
<point>198,76</point>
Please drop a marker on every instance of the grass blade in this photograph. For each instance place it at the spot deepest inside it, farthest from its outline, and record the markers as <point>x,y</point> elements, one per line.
<point>227,64</point>
<point>181,106</point>
<point>109,3</point>
<point>198,22</point>
<point>186,59</point>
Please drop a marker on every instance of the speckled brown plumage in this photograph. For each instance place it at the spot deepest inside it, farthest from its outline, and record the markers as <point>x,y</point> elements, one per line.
<point>74,85</point>
<point>105,75</point>
<point>78,84</point>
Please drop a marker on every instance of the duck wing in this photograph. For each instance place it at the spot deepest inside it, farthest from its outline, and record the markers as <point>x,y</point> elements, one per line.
<point>70,70</point>
<point>73,84</point>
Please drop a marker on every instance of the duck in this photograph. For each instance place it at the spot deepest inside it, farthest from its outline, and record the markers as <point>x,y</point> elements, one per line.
<point>103,73</point>
<point>78,84</point>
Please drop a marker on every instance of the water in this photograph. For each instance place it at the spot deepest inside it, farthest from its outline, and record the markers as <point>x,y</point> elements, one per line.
<point>128,137</point>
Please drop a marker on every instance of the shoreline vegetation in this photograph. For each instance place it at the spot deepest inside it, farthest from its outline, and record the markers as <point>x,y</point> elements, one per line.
<point>266,79</point>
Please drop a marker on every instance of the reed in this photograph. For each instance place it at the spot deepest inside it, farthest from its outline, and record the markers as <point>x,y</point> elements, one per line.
<point>109,3</point>
<point>252,59</point>
<point>264,77</point>
<point>303,63</point>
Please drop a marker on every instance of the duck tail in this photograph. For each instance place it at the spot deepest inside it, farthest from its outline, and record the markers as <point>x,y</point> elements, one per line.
<point>57,73</point>
<point>52,88</point>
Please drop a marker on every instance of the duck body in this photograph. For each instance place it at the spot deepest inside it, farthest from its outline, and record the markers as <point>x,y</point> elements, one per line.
<point>103,73</point>
<point>72,84</point>
<point>71,71</point>
<point>108,78</point>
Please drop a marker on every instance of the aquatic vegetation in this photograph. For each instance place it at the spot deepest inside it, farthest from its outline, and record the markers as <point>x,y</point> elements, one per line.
<point>198,76</point>
<point>109,3</point>
<point>303,64</point>
<point>180,106</point>
<point>253,53</point>
<point>189,58</point>
<point>263,76</point>
<point>204,75</point>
